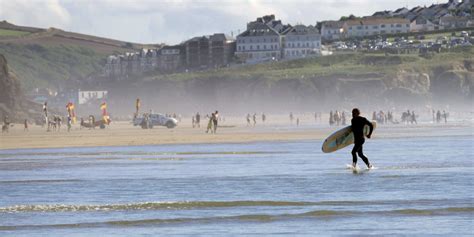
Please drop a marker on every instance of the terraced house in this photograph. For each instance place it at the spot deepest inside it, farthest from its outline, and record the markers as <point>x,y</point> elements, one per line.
<point>376,26</point>
<point>301,42</point>
<point>262,41</point>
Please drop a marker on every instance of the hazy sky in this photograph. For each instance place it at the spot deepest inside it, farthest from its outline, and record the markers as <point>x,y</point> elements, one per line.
<point>172,21</point>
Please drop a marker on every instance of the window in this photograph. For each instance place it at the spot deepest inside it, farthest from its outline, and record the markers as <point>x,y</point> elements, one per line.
<point>375,27</point>
<point>382,26</point>
<point>258,47</point>
<point>251,47</point>
<point>264,47</point>
<point>350,27</point>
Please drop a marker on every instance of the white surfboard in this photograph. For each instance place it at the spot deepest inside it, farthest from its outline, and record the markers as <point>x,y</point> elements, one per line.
<point>342,138</point>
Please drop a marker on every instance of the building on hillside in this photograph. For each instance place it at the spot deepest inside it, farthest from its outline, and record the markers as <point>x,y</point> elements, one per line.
<point>376,26</point>
<point>120,67</point>
<point>262,41</point>
<point>197,52</point>
<point>222,50</point>
<point>400,12</point>
<point>332,30</point>
<point>170,58</point>
<point>421,24</point>
<point>209,51</point>
<point>450,22</point>
<point>86,96</point>
<point>302,41</point>
<point>383,14</point>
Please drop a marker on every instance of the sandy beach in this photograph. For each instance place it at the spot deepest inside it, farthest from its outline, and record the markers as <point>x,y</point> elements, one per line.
<point>233,130</point>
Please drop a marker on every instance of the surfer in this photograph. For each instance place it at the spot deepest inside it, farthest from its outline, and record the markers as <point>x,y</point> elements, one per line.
<point>357,124</point>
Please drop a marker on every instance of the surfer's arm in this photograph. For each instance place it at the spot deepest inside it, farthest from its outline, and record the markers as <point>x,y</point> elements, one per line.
<point>371,128</point>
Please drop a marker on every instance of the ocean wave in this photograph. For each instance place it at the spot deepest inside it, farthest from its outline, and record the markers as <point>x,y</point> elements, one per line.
<point>218,204</point>
<point>144,206</point>
<point>251,218</point>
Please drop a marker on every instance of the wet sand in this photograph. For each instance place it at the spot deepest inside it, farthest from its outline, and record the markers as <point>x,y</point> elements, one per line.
<point>233,130</point>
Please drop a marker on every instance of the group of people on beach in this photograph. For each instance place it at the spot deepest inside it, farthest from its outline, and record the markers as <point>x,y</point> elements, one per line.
<point>213,121</point>
<point>337,118</point>
<point>438,116</point>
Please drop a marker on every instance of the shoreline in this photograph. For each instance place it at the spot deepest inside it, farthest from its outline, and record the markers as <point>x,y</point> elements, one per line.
<point>123,134</point>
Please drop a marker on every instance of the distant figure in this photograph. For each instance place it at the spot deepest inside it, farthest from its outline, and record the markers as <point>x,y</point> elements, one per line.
<point>357,123</point>
<point>374,116</point>
<point>413,117</point>
<point>343,118</point>
<point>6,124</point>
<point>215,119</point>
<point>445,115</point>
<point>193,122</point>
<point>137,107</point>
<point>331,118</point>
<point>248,120</point>
<point>438,116</point>
<point>254,119</point>
<point>297,122</point>
<point>337,118</point>
<point>81,124</point>
<point>264,117</point>
<point>315,116</point>
<point>198,120</point>
<point>69,123</point>
<point>434,115</point>
<point>291,117</point>
<point>59,122</point>
<point>26,125</point>
<point>209,124</point>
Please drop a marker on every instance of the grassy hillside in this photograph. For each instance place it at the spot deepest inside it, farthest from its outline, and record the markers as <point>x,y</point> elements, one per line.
<point>348,64</point>
<point>53,58</point>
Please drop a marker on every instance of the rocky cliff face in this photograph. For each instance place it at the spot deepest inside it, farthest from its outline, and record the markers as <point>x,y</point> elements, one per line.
<point>406,89</point>
<point>12,102</point>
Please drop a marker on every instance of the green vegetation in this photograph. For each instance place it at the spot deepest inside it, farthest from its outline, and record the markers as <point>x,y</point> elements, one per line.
<point>50,66</point>
<point>14,33</point>
<point>348,64</point>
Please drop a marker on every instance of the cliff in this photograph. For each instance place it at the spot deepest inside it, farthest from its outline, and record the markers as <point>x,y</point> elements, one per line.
<point>12,102</point>
<point>340,81</point>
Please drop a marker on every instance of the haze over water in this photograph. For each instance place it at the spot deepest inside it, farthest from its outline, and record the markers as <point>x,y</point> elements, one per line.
<point>422,185</point>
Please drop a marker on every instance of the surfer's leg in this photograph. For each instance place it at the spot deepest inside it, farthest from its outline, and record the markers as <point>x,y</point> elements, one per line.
<point>363,157</point>
<point>354,153</point>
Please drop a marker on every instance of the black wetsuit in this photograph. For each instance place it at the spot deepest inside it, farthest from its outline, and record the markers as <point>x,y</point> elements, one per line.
<point>357,125</point>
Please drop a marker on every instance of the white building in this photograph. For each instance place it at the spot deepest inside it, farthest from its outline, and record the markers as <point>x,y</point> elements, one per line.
<point>85,96</point>
<point>421,24</point>
<point>302,41</point>
<point>262,41</point>
<point>376,26</point>
<point>332,30</point>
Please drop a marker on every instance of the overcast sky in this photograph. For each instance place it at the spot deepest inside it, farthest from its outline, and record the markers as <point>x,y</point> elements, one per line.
<point>173,21</point>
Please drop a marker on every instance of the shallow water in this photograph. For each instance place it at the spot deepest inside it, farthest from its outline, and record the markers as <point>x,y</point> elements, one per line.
<point>422,185</point>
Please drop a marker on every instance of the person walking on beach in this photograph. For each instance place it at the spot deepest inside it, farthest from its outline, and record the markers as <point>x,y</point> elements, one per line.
<point>248,120</point>
<point>26,125</point>
<point>209,124</point>
<point>357,124</point>
<point>198,120</point>
<point>215,119</point>
<point>69,123</point>
<point>254,119</point>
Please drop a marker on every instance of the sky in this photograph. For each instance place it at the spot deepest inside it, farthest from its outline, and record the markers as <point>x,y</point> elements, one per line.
<point>173,21</point>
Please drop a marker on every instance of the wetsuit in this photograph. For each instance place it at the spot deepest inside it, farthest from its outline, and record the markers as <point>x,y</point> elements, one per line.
<point>357,125</point>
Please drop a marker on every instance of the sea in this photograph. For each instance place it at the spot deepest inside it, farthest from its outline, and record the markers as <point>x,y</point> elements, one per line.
<point>422,185</point>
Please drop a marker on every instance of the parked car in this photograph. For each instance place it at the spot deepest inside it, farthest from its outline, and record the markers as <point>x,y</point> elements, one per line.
<point>151,120</point>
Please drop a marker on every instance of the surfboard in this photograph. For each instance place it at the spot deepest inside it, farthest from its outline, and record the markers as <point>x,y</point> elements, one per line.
<point>342,138</point>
